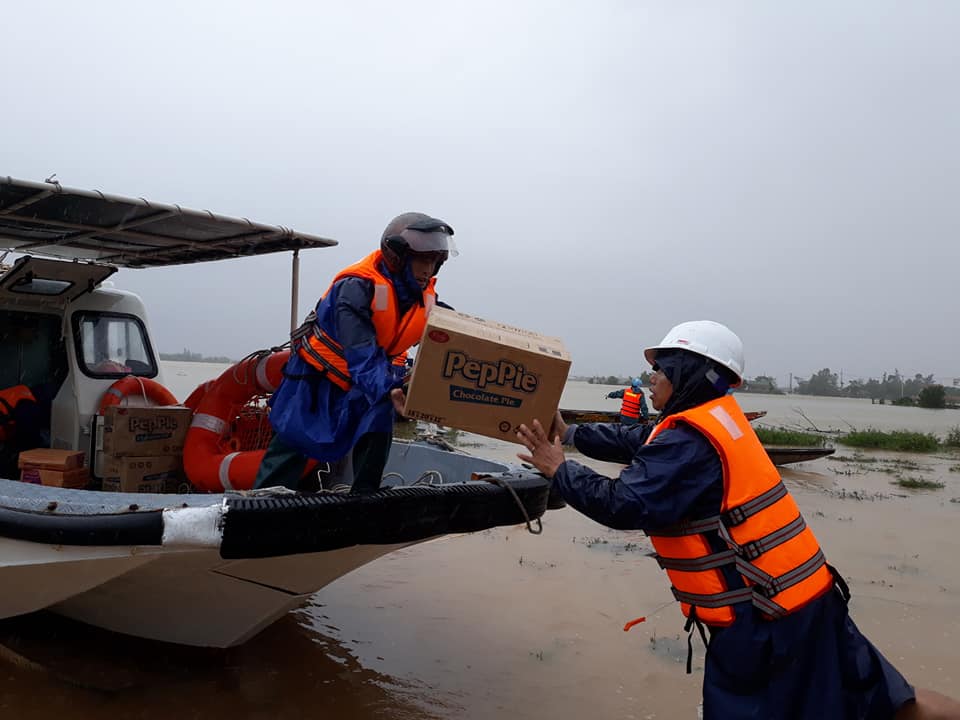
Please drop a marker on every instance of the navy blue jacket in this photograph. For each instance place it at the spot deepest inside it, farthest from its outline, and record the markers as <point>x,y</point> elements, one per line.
<point>316,416</point>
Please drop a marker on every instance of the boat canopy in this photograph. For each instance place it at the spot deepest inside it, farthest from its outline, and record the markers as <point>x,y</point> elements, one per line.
<point>49,219</point>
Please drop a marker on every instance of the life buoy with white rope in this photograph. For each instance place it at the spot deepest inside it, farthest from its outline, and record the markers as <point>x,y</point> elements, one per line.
<point>193,400</point>
<point>130,386</point>
<point>205,461</point>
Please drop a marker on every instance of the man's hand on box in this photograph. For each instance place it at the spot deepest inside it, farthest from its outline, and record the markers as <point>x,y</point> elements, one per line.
<point>545,455</point>
<point>559,427</point>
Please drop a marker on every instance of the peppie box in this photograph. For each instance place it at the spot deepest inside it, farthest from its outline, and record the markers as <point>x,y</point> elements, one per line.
<point>143,430</point>
<point>145,474</point>
<point>485,377</point>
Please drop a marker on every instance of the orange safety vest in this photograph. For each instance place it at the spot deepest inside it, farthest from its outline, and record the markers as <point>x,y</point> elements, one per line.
<point>631,404</point>
<point>395,334</point>
<point>767,539</point>
<point>9,399</point>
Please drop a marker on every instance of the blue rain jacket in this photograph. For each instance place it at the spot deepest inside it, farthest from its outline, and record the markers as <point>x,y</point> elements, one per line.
<point>814,663</point>
<point>317,417</point>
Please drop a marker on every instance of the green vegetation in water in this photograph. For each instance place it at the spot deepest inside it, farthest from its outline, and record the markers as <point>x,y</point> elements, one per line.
<point>907,465</point>
<point>860,464</point>
<point>897,440</point>
<point>793,438</point>
<point>933,396</point>
<point>953,437</point>
<point>918,483</point>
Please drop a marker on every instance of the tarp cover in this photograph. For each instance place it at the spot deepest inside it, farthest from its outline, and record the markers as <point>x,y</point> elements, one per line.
<point>48,219</point>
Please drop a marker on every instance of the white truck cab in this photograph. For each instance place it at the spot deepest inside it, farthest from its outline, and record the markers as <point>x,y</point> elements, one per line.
<point>67,336</point>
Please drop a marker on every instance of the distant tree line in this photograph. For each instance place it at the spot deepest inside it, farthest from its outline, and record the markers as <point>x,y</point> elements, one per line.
<point>614,379</point>
<point>892,388</point>
<point>187,356</point>
<point>760,384</point>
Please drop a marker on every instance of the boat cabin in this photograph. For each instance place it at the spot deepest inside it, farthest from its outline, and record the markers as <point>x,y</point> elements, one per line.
<point>67,337</point>
<point>66,333</point>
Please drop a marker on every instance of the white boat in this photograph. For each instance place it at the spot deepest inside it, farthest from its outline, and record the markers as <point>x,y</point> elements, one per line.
<point>205,569</point>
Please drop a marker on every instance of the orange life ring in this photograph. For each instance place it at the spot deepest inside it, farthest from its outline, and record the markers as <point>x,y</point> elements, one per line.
<point>131,386</point>
<point>206,464</point>
<point>9,399</point>
<point>197,395</point>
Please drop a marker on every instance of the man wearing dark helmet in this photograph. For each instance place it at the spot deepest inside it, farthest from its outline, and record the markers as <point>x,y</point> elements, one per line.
<point>341,387</point>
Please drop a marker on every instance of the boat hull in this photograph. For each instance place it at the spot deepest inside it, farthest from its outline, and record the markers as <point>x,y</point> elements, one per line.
<point>787,455</point>
<point>213,570</point>
<point>201,600</point>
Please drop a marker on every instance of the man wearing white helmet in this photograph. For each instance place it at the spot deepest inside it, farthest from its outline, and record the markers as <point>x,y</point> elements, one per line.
<point>741,560</point>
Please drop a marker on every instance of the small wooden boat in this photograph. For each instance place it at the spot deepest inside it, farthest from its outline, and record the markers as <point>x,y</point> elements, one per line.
<point>589,416</point>
<point>612,416</point>
<point>787,455</point>
<point>778,454</point>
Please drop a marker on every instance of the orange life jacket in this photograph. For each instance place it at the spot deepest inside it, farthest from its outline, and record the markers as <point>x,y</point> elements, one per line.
<point>767,539</point>
<point>9,399</point>
<point>631,404</point>
<point>395,334</point>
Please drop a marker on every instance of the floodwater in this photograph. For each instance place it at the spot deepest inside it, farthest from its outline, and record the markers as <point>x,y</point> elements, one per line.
<point>504,623</point>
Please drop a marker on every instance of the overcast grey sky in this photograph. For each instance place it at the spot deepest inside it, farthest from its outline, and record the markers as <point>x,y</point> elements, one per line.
<point>611,167</point>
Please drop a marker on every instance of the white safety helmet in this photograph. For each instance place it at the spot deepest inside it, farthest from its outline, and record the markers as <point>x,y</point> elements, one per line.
<point>707,338</point>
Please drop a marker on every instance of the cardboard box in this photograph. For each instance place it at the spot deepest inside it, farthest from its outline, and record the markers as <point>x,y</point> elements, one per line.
<point>485,377</point>
<point>144,474</point>
<point>50,459</point>
<point>75,478</point>
<point>143,430</point>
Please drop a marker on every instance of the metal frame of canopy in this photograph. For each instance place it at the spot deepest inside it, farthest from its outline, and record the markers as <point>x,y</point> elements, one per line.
<point>49,219</point>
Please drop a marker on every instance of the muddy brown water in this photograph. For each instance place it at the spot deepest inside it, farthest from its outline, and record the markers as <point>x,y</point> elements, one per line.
<point>504,623</point>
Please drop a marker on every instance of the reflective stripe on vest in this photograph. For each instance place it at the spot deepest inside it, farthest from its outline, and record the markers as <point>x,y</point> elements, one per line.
<point>767,539</point>
<point>631,404</point>
<point>395,334</point>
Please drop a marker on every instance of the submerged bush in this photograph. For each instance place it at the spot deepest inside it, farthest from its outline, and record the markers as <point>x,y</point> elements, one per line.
<point>918,484</point>
<point>780,436</point>
<point>953,437</point>
<point>932,396</point>
<point>897,440</point>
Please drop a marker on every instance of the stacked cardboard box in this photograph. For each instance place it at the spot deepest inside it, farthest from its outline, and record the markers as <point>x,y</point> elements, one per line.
<point>485,377</point>
<point>141,448</point>
<point>59,468</point>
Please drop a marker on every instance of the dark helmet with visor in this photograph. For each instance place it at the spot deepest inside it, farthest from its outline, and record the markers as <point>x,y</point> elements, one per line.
<point>419,234</point>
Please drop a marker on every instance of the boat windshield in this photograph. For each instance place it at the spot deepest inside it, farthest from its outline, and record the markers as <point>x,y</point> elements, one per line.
<point>112,345</point>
